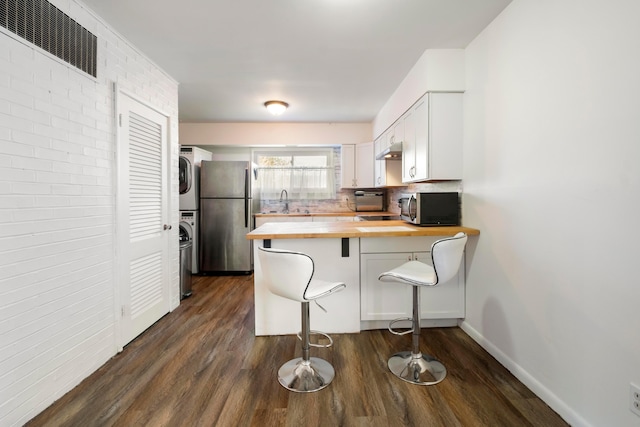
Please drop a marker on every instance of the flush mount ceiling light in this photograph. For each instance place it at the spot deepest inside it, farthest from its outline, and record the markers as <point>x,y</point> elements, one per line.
<point>276,107</point>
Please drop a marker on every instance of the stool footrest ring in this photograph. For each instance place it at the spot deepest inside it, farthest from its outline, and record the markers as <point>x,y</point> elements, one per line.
<point>401,319</point>
<point>299,334</point>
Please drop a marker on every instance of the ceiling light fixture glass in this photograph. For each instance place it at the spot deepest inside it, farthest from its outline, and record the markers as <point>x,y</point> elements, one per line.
<point>276,107</point>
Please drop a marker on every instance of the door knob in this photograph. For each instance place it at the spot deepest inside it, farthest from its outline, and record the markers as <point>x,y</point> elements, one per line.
<point>167,227</point>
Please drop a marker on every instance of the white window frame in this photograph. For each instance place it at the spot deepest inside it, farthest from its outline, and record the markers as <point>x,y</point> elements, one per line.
<point>297,181</point>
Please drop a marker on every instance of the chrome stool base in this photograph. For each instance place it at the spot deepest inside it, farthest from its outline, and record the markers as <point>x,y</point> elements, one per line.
<point>417,368</point>
<point>306,376</point>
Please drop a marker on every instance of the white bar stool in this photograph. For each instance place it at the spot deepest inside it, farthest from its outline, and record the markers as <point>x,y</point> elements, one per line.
<point>290,275</point>
<point>446,254</point>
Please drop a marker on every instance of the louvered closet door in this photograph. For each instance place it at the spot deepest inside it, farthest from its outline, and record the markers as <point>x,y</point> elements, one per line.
<point>144,288</point>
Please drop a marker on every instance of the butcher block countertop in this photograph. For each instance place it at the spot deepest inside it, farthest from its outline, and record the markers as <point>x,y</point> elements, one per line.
<point>311,230</point>
<point>281,215</point>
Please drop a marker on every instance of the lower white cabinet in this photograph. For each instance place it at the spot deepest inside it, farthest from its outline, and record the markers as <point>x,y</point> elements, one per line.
<point>275,315</point>
<point>390,300</point>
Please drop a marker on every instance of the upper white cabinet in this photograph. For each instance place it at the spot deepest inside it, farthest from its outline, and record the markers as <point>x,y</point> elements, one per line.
<point>387,173</point>
<point>357,165</point>
<point>432,144</point>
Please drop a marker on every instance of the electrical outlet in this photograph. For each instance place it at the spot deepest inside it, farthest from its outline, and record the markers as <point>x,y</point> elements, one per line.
<point>634,399</point>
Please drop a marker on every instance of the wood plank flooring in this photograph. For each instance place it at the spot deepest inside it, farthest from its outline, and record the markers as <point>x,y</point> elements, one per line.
<point>201,365</point>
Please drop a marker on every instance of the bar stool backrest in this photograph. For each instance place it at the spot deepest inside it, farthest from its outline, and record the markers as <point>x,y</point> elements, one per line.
<point>287,273</point>
<point>446,255</point>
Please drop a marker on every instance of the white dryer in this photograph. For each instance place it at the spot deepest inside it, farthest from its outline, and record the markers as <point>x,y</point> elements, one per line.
<point>189,174</point>
<point>189,222</point>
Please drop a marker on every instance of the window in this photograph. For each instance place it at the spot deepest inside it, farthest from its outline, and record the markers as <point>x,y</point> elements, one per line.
<point>304,173</point>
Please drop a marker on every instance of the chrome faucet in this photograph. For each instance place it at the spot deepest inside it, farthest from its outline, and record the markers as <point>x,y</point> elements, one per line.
<point>286,201</point>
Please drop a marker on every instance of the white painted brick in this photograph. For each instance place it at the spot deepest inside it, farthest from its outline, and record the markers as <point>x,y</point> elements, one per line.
<point>5,108</point>
<point>63,101</point>
<point>67,190</point>
<point>67,145</point>
<point>67,166</point>
<point>96,191</point>
<point>53,132</point>
<point>50,277</point>
<point>30,188</point>
<point>5,51</point>
<point>55,111</point>
<point>30,139</point>
<point>69,125</point>
<point>4,75</point>
<point>29,113</point>
<point>21,175</point>
<point>17,149</point>
<point>94,171</point>
<point>54,178</point>
<point>57,232</point>
<point>96,153</point>
<point>31,163</point>
<point>16,98</point>
<point>84,180</point>
<point>13,201</point>
<point>28,88</point>
<point>82,160</point>
<point>51,254</point>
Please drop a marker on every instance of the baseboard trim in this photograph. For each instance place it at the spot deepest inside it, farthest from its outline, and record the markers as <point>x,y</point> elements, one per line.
<point>567,413</point>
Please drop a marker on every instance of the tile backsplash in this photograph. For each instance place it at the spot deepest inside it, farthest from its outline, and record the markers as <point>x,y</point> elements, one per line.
<point>344,201</point>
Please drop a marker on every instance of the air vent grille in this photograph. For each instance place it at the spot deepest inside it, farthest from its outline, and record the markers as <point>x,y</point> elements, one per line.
<point>46,26</point>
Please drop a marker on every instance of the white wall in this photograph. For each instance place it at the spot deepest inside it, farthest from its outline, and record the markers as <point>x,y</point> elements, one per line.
<point>261,134</point>
<point>551,178</point>
<point>436,70</point>
<point>57,211</point>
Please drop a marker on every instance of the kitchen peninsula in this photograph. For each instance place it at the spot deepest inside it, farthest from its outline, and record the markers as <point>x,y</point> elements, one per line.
<point>355,253</point>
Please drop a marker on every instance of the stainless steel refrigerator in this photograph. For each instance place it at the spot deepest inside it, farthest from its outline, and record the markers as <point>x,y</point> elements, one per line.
<point>226,205</point>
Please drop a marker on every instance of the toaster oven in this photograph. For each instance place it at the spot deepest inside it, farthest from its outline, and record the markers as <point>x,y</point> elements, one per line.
<point>369,201</point>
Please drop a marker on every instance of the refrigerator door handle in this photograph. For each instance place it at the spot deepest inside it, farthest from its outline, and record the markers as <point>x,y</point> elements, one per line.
<point>246,198</point>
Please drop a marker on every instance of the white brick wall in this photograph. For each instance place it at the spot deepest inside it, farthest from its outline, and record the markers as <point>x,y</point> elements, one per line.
<point>57,211</point>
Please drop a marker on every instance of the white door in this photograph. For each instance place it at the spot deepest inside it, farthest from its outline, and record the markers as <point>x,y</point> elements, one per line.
<point>142,212</point>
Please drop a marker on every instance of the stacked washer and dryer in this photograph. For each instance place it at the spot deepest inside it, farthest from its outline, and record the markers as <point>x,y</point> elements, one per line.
<point>189,173</point>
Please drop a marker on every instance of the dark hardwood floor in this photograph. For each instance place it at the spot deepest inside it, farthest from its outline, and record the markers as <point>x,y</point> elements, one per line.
<point>201,365</point>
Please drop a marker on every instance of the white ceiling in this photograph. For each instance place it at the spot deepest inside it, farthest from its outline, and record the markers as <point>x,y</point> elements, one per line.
<point>331,60</point>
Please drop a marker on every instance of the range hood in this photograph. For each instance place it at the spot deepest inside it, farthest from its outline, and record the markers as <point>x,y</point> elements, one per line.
<point>392,152</point>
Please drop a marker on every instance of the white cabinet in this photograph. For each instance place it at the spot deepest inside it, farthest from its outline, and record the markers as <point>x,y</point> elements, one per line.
<point>357,165</point>
<point>275,315</point>
<point>387,300</point>
<point>432,145</point>
<point>387,173</point>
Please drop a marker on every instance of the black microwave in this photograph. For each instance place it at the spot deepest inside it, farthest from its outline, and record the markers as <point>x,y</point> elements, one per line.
<point>430,209</point>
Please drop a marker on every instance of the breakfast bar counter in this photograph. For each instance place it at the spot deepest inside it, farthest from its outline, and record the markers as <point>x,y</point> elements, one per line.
<point>355,253</point>
<point>314,230</point>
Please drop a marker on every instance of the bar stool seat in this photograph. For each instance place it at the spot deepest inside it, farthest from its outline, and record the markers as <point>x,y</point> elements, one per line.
<point>446,254</point>
<point>289,274</point>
